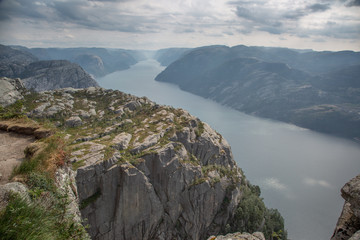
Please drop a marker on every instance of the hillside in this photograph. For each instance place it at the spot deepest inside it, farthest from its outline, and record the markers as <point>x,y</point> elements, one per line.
<point>96,61</point>
<point>133,168</point>
<point>42,75</point>
<point>276,83</point>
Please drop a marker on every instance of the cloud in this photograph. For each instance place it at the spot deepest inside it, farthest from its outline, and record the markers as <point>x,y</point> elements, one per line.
<point>353,3</point>
<point>198,22</point>
<point>316,182</point>
<point>274,183</point>
<point>317,7</point>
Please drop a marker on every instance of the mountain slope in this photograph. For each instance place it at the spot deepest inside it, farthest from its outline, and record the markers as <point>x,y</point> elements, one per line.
<point>42,75</point>
<point>13,62</point>
<point>48,75</point>
<point>96,61</point>
<point>254,84</point>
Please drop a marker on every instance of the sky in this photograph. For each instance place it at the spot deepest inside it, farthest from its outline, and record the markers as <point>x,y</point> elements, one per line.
<point>143,24</point>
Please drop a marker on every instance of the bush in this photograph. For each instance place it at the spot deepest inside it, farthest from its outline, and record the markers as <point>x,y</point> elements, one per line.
<point>251,215</point>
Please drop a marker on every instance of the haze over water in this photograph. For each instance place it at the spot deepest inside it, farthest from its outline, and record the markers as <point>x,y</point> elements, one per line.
<point>300,172</point>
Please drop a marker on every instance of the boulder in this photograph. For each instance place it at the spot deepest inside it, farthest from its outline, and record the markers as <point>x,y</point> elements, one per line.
<point>10,91</point>
<point>73,122</point>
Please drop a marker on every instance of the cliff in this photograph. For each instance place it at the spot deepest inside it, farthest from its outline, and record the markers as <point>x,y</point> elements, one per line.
<point>48,75</point>
<point>348,225</point>
<point>42,75</point>
<point>140,170</point>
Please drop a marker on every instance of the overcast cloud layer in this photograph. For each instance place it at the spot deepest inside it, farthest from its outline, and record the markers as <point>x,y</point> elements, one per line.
<point>143,24</point>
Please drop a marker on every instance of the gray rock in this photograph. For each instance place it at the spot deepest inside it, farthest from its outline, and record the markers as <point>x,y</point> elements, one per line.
<point>239,236</point>
<point>13,187</point>
<point>121,141</point>
<point>73,122</point>
<point>356,236</point>
<point>54,74</point>
<point>10,91</point>
<point>349,221</point>
<point>133,105</point>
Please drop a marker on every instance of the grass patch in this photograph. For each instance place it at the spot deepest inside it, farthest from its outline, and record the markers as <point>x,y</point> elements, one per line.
<point>31,220</point>
<point>78,164</point>
<point>47,160</point>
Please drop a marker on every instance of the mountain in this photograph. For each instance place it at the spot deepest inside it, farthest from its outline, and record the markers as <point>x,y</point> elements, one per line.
<point>265,82</point>
<point>96,61</point>
<point>48,75</point>
<point>42,75</point>
<point>13,62</point>
<point>132,169</point>
<point>168,55</point>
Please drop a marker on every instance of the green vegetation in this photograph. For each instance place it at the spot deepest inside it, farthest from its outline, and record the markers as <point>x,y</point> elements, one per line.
<point>200,128</point>
<point>38,219</point>
<point>45,215</point>
<point>50,157</point>
<point>251,215</point>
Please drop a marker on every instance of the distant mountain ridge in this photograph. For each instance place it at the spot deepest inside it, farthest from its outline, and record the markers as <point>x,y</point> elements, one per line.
<point>315,90</point>
<point>42,75</point>
<point>96,61</point>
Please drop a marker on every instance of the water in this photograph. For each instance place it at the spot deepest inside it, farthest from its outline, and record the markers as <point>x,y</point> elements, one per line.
<point>299,171</point>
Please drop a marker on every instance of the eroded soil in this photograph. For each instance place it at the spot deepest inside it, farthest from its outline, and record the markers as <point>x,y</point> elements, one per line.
<point>12,147</point>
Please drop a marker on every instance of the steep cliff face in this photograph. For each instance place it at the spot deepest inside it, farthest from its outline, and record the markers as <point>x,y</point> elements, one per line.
<point>139,170</point>
<point>348,225</point>
<point>154,172</point>
<point>47,75</point>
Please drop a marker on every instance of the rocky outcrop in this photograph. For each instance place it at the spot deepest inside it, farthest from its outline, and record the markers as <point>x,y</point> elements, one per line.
<point>139,170</point>
<point>47,75</point>
<point>145,172</point>
<point>348,225</point>
<point>41,75</point>
<point>239,236</point>
<point>11,90</point>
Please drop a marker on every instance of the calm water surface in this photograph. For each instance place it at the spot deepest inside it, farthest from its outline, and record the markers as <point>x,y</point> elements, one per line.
<point>299,171</point>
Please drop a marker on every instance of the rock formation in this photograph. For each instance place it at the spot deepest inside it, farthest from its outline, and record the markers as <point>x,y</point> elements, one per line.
<point>47,75</point>
<point>11,90</point>
<point>42,75</point>
<point>348,225</point>
<point>140,170</point>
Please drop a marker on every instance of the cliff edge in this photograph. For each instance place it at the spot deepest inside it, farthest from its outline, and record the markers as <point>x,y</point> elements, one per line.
<point>348,225</point>
<point>139,170</point>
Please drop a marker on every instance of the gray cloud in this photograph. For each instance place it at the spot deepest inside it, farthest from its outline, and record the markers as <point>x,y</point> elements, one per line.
<point>318,7</point>
<point>353,3</point>
<point>257,15</point>
<point>78,12</point>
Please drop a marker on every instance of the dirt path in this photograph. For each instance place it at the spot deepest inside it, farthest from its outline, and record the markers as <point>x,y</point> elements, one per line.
<point>12,147</point>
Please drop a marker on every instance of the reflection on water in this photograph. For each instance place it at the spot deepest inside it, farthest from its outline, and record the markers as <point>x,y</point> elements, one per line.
<point>299,171</point>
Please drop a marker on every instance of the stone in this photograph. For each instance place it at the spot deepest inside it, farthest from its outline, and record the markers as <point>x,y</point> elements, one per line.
<point>13,187</point>
<point>133,105</point>
<point>73,122</point>
<point>121,141</point>
<point>10,91</point>
<point>349,221</point>
<point>356,236</point>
